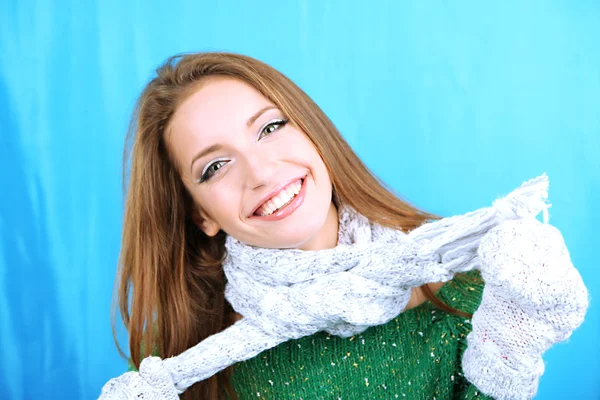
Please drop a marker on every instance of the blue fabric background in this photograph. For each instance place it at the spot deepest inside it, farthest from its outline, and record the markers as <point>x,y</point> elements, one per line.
<point>451,103</point>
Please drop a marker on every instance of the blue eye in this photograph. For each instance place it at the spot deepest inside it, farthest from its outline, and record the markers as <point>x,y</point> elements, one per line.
<point>272,127</point>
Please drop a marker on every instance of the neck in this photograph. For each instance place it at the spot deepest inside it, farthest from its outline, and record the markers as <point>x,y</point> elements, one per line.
<point>327,237</point>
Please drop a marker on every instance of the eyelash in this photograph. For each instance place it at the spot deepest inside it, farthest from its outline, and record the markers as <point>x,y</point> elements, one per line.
<point>206,175</point>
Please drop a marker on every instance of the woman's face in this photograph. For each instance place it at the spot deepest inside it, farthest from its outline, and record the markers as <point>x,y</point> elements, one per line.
<point>250,171</point>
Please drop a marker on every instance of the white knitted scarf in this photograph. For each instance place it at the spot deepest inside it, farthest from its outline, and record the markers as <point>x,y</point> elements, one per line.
<point>365,280</point>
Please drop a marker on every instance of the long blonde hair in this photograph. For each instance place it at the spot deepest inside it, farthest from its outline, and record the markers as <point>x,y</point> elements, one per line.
<point>170,283</point>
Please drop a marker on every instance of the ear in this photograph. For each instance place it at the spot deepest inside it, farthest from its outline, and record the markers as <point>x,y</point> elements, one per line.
<point>205,223</point>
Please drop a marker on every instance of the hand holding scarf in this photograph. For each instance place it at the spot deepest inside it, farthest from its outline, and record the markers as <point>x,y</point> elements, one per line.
<point>533,298</point>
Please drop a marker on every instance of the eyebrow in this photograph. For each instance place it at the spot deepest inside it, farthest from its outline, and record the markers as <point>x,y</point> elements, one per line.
<point>217,146</point>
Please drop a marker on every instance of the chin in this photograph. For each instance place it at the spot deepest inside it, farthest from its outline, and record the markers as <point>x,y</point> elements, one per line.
<point>297,237</point>
<point>292,240</point>
<point>298,230</point>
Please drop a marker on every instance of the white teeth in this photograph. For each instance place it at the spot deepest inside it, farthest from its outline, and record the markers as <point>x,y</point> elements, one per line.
<point>281,198</point>
<point>267,209</point>
<point>297,187</point>
<point>284,197</point>
<point>271,206</point>
<point>289,192</point>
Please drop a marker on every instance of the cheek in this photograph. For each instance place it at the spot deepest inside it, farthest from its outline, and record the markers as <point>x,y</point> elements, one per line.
<point>218,203</point>
<point>318,165</point>
<point>312,158</point>
<point>300,146</point>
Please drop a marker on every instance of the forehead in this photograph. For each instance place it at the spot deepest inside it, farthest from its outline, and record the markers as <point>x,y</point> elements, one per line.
<point>215,112</point>
<point>218,102</point>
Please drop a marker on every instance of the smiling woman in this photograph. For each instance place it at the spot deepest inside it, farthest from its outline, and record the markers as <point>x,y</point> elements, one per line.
<point>251,227</point>
<point>246,156</point>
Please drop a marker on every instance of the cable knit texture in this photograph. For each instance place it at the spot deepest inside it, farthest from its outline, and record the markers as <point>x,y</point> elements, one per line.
<point>366,280</point>
<point>415,356</point>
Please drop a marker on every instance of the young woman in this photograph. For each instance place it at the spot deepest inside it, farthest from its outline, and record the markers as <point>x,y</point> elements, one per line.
<point>234,168</point>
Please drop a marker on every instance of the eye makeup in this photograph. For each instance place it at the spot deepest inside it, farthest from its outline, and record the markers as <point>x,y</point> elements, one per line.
<point>208,172</point>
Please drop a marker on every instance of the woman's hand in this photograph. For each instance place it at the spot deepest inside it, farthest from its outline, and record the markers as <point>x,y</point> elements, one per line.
<point>153,382</point>
<point>533,298</point>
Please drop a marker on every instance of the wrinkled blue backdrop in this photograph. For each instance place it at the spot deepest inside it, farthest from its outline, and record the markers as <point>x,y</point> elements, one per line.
<point>451,103</point>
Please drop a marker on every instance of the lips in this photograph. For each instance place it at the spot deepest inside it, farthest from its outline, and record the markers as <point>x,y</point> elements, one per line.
<point>275,193</point>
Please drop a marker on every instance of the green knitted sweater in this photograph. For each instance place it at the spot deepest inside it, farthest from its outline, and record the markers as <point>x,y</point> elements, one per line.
<point>415,356</point>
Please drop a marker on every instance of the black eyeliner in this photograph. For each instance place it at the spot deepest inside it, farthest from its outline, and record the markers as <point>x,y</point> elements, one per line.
<point>281,122</point>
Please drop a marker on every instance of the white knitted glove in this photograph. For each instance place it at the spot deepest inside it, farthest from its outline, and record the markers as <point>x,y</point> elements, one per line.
<point>152,382</point>
<point>533,297</point>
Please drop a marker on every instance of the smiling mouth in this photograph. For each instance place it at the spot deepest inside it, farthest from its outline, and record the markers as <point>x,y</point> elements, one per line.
<point>281,200</point>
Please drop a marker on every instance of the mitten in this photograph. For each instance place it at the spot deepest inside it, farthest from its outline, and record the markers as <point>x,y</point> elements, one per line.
<point>153,382</point>
<point>533,298</point>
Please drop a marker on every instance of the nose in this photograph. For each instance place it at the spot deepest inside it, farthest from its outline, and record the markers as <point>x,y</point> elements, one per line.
<point>260,169</point>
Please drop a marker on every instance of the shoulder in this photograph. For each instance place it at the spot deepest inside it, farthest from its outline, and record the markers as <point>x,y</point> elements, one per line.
<point>418,297</point>
<point>435,287</point>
